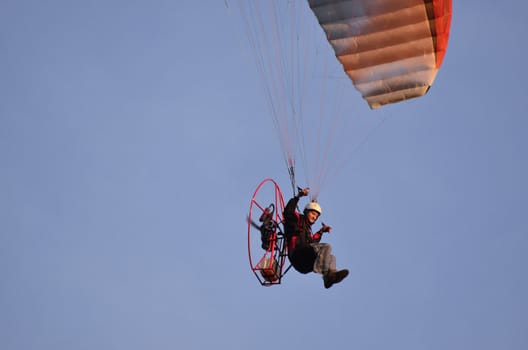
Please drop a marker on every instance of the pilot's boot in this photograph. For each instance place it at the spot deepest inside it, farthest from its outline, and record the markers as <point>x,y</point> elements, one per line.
<point>333,276</point>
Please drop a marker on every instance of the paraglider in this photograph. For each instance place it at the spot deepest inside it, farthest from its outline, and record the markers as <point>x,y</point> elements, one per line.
<point>390,50</point>
<point>305,250</point>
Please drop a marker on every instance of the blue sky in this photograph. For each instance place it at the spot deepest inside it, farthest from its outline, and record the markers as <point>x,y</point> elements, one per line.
<point>133,133</point>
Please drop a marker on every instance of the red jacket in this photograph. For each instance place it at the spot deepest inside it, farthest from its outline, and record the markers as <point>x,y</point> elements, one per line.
<point>297,229</point>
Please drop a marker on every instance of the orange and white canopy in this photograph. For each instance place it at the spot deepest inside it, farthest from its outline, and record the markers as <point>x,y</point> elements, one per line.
<point>391,49</point>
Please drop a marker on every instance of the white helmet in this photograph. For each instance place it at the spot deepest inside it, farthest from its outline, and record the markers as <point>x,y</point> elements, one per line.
<point>313,206</point>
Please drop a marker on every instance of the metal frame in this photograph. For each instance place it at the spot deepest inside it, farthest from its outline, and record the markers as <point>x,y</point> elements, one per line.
<point>269,269</point>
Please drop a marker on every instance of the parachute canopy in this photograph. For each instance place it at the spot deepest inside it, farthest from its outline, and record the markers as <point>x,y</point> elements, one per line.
<point>391,49</point>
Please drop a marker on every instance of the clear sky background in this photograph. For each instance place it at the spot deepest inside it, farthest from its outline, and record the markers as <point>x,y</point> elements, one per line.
<point>133,133</point>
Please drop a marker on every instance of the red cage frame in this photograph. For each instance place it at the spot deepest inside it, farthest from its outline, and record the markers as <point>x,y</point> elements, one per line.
<point>269,269</point>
